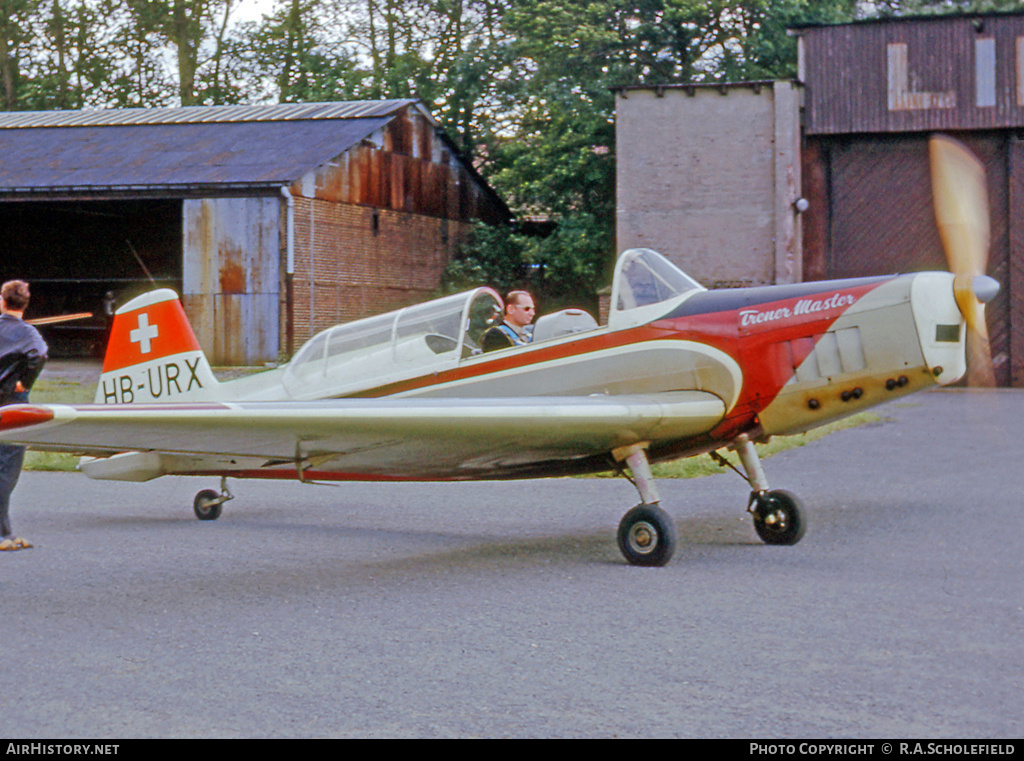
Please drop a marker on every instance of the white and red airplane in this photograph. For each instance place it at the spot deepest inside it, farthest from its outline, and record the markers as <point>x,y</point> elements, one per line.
<point>678,371</point>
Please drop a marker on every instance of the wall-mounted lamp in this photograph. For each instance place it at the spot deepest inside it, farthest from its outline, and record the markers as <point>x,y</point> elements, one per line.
<point>801,205</point>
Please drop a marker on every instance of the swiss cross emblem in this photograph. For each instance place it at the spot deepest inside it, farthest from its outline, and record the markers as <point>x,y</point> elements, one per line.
<point>144,334</point>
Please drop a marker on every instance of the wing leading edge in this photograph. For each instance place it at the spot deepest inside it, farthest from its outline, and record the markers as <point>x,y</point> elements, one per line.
<point>372,438</point>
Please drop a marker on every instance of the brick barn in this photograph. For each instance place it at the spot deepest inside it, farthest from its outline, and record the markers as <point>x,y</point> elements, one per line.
<point>273,222</point>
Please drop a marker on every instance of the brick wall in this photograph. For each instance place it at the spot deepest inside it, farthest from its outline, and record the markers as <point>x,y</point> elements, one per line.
<point>356,261</point>
<point>707,176</point>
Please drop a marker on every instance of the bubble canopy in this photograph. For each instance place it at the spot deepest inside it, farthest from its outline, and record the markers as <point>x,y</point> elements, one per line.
<point>390,347</point>
<point>440,334</point>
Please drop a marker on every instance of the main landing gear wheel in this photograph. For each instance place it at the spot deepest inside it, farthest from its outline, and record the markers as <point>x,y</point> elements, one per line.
<point>778,517</point>
<point>208,505</point>
<point>647,536</point>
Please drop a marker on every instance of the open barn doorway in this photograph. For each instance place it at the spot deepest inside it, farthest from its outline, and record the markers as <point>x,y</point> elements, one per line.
<point>89,256</point>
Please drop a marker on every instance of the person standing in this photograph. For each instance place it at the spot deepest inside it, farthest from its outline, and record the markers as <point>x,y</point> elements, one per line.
<point>23,353</point>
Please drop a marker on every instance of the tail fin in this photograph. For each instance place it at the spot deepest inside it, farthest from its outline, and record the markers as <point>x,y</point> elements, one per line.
<point>153,355</point>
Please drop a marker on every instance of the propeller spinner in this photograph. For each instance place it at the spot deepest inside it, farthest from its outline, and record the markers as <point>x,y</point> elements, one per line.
<point>961,211</point>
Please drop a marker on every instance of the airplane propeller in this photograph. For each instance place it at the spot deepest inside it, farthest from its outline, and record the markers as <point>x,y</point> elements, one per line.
<point>961,211</point>
<point>59,318</point>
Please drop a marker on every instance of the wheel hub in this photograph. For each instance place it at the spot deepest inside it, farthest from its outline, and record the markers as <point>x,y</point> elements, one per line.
<point>643,537</point>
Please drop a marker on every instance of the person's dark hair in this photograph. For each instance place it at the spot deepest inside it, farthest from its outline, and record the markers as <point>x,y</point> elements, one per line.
<point>15,295</point>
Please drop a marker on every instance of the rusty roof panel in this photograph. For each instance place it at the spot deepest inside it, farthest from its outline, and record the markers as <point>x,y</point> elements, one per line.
<point>914,74</point>
<point>362,109</point>
<point>178,155</point>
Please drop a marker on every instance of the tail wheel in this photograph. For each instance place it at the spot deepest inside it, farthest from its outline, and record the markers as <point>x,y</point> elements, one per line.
<point>778,517</point>
<point>647,536</point>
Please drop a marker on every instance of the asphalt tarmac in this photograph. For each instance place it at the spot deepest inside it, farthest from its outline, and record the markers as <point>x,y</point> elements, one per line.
<point>505,610</point>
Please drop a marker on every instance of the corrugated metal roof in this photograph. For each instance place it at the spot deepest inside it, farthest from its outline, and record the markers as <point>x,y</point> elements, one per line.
<point>166,148</point>
<point>359,109</point>
<point>911,18</point>
<point>248,153</point>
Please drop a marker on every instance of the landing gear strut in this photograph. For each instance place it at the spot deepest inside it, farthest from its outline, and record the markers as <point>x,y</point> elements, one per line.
<point>647,534</point>
<point>209,503</point>
<point>778,514</point>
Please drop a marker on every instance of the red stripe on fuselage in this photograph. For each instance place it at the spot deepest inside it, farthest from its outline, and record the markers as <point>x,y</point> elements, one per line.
<point>773,338</point>
<point>527,357</point>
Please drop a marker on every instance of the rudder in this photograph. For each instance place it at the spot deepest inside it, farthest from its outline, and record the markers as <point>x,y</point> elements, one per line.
<point>153,355</point>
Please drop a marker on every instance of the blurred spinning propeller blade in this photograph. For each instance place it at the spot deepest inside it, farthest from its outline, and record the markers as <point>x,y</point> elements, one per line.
<point>961,211</point>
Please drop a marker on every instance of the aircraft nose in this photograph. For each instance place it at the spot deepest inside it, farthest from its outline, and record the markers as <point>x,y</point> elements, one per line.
<point>985,288</point>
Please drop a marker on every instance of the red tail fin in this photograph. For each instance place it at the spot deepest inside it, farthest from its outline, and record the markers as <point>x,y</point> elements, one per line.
<point>153,355</point>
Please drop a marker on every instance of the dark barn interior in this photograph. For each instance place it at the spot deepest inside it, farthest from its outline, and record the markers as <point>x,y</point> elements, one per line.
<point>89,256</point>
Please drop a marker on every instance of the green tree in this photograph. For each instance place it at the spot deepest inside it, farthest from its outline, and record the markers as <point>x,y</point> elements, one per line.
<point>557,160</point>
<point>57,54</point>
<point>303,48</point>
<point>15,38</point>
<point>69,59</point>
<point>452,54</point>
<point>526,88</point>
<point>197,29</point>
<point>491,256</point>
<point>138,75</point>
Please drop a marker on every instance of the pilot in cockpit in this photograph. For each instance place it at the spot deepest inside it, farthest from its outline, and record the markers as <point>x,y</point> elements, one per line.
<point>516,329</point>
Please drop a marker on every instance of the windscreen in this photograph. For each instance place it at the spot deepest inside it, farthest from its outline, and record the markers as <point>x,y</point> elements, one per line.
<point>646,277</point>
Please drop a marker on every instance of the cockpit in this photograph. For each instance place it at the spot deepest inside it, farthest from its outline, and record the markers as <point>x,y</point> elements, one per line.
<point>441,334</point>
<point>644,284</point>
<point>391,347</point>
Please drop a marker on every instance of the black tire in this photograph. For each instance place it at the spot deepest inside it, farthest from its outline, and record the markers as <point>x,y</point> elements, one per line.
<point>205,506</point>
<point>647,536</point>
<point>779,518</point>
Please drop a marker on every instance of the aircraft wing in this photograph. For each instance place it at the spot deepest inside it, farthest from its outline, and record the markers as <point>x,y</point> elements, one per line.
<point>414,438</point>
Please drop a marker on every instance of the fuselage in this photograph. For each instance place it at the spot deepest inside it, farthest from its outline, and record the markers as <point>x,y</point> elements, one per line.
<point>783,359</point>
